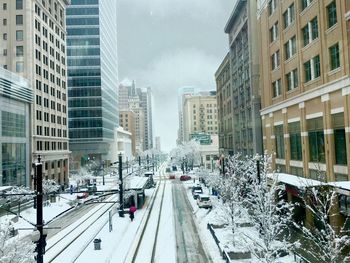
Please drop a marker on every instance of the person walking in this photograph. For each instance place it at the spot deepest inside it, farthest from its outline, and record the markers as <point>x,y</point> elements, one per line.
<point>132,211</point>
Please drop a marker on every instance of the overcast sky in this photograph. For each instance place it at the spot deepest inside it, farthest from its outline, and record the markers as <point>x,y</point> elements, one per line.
<point>167,44</point>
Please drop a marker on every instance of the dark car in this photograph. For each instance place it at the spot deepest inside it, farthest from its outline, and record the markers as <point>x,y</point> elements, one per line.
<point>171,176</point>
<point>185,177</point>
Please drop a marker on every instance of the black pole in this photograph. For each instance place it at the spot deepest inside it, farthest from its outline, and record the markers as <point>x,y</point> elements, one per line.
<point>39,211</point>
<point>103,172</point>
<point>147,162</point>
<point>139,160</point>
<point>127,166</point>
<point>121,198</point>
<point>258,170</point>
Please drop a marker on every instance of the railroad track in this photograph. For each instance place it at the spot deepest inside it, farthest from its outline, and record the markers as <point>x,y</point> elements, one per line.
<point>144,241</point>
<point>59,245</point>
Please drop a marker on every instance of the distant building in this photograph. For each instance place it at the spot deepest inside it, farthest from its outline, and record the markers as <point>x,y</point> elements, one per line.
<point>92,79</point>
<point>127,120</point>
<point>209,152</point>
<point>157,141</point>
<point>225,109</point>
<point>182,92</point>
<point>199,114</point>
<point>124,144</point>
<point>16,99</point>
<point>33,45</point>
<point>140,102</point>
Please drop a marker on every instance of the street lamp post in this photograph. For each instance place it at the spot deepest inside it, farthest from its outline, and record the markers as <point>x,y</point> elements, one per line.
<point>40,247</point>
<point>121,197</point>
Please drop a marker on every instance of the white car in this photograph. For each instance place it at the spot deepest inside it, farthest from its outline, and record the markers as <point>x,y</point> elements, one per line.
<point>203,201</point>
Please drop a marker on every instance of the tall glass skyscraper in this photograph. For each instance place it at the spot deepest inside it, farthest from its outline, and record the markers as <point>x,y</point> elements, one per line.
<point>92,78</point>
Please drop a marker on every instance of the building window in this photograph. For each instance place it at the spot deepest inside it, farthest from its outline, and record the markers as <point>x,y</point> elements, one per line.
<point>290,47</point>
<point>332,14</point>
<point>339,138</point>
<point>4,52</point>
<point>4,6</point>
<point>4,36</point>
<point>310,31</point>
<point>334,56</point>
<point>289,16</point>
<point>275,60</point>
<point>312,68</point>
<point>305,3</point>
<point>272,6</point>
<point>19,20</point>
<point>19,35</point>
<point>276,88</point>
<point>292,79</point>
<point>295,141</point>
<point>19,51</point>
<point>4,21</point>
<point>19,4</point>
<point>274,32</point>
<point>316,140</point>
<point>19,66</point>
<point>279,138</point>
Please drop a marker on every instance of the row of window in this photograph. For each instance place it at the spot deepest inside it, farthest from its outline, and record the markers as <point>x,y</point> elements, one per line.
<point>19,5</point>
<point>315,139</point>
<point>53,118</point>
<point>39,131</point>
<point>289,13</point>
<point>312,70</point>
<point>45,146</point>
<point>54,105</point>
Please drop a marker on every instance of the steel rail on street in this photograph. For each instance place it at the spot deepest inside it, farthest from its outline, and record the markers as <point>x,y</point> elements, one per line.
<point>67,240</point>
<point>143,241</point>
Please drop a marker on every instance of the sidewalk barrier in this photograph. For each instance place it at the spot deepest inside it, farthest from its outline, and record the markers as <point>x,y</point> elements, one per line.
<point>210,227</point>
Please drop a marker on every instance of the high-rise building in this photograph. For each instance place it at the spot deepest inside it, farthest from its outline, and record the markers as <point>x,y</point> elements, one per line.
<point>224,102</point>
<point>92,78</point>
<point>33,44</point>
<point>244,71</point>
<point>16,98</point>
<point>200,114</point>
<point>139,101</point>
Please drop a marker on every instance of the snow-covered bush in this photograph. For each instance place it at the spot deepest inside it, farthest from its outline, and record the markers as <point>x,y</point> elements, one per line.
<point>14,249</point>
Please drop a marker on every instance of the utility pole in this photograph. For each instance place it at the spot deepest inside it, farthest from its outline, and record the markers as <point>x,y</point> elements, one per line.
<point>121,198</point>
<point>103,172</point>
<point>147,162</point>
<point>40,247</point>
<point>258,169</point>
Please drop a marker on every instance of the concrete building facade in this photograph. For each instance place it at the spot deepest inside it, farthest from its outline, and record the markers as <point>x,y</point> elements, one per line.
<point>200,114</point>
<point>33,44</point>
<point>246,132</point>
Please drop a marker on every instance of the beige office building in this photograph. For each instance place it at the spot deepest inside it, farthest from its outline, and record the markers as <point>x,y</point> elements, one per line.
<point>305,80</point>
<point>199,114</point>
<point>127,120</point>
<point>33,44</point>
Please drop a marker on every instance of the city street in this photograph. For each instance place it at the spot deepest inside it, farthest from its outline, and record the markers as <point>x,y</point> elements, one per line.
<point>188,243</point>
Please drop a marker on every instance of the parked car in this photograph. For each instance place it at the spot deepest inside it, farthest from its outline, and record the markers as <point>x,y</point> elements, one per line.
<point>203,201</point>
<point>171,176</point>
<point>185,177</point>
<point>83,193</point>
<point>197,188</point>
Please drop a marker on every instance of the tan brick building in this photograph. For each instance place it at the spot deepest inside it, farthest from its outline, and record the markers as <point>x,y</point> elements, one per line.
<point>304,75</point>
<point>127,120</point>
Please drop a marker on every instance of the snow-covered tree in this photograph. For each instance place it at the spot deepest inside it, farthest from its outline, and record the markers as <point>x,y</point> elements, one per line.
<point>50,187</point>
<point>82,176</point>
<point>270,214</point>
<point>14,249</point>
<point>188,152</point>
<point>330,242</point>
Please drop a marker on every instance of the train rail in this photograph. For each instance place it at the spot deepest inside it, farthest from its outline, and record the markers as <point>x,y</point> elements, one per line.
<point>64,239</point>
